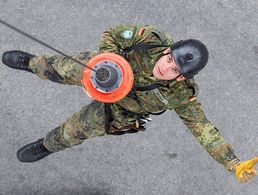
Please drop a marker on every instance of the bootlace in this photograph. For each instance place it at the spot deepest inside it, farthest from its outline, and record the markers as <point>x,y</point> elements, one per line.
<point>38,149</point>
<point>22,61</point>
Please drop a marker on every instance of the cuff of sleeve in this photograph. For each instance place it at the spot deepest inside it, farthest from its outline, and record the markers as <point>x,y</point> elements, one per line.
<point>233,164</point>
<point>225,155</point>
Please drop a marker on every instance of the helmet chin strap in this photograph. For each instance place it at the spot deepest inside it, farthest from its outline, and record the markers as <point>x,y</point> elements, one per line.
<point>176,77</point>
<point>164,54</point>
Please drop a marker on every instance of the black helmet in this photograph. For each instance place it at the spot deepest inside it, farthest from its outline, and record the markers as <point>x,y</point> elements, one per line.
<point>190,55</point>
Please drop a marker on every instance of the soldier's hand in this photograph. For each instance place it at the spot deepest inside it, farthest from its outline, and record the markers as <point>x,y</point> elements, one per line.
<point>245,171</point>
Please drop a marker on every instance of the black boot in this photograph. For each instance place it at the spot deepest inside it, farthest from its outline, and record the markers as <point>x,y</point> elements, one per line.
<point>33,152</point>
<point>17,60</point>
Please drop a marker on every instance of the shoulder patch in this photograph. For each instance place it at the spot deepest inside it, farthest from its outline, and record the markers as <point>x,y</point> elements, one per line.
<point>127,34</point>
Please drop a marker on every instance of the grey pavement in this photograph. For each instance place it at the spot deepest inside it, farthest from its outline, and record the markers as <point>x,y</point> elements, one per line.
<point>166,158</point>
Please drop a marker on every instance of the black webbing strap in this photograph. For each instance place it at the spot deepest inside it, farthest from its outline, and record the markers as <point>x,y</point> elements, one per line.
<point>158,113</point>
<point>139,47</point>
<point>108,115</point>
<point>143,47</point>
<point>148,87</point>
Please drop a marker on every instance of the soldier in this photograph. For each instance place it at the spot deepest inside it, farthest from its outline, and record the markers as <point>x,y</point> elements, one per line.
<point>163,72</point>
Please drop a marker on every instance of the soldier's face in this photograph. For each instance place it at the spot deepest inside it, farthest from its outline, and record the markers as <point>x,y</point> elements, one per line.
<point>166,68</point>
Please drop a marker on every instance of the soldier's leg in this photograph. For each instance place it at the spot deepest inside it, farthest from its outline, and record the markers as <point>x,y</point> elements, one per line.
<point>60,69</point>
<point>87,123</point>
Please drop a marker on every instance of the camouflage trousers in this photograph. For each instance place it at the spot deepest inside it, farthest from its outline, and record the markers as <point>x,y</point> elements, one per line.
<point>89,121</point>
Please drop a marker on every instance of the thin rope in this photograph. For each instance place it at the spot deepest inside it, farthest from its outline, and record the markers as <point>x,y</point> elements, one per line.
<point>42,43</point>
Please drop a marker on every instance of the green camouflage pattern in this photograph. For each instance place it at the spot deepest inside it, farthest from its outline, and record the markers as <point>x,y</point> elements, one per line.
<point>88,122</point>
<point>174,95</point>
<point>61,69</point>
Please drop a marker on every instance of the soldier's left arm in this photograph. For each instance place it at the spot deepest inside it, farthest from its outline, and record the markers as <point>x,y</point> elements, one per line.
<point>206,133</point>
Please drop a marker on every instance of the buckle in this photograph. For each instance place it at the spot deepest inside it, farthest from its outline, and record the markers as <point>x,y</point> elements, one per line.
<point>123,53</point>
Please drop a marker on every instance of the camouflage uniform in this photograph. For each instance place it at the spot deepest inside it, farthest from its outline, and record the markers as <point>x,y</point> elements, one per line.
<point>177,95</point>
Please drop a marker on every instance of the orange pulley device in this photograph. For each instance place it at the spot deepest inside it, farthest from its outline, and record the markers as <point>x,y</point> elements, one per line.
<point>112,79</point>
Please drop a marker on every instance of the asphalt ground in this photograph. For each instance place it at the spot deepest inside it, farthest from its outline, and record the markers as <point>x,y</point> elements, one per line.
<point>164,159</point>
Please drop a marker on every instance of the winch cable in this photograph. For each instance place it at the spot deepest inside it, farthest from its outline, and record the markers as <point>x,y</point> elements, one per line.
<point>42,43</point>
